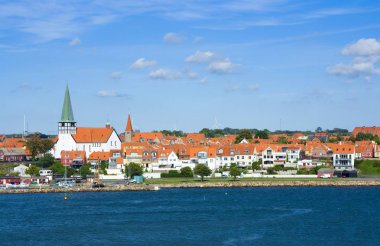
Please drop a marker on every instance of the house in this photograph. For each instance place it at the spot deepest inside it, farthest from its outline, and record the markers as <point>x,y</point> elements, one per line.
<point>308,164</point>
<point>4,180</point>
<point>73,158</point>
<point>272,157</point>
<point>377,151</point>
<point>364,149</point>
<point>203,155</point>
<point>325,173</point>
<point>21,170</point>
<point>316,149</point>
<point>148,137</point>
<point>241,154</point>
<point>12,154</point>
<point>374,130</point>
<point>293,153</point>
<point>343,156</point>
<point>88,139</point>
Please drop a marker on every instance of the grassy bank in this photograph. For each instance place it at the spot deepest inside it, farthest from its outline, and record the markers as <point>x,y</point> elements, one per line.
<point>368,167</point>
<point>229,180</point>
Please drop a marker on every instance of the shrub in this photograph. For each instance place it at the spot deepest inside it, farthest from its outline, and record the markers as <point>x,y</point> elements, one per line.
<point>171,174</point>
<point>186,172</point>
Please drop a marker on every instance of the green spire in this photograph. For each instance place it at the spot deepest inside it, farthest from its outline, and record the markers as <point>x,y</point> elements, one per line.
<point>67,111</point>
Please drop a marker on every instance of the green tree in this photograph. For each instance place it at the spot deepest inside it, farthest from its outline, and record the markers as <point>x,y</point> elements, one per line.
<point>38,146</point>
<point>202,171</point>
<point>46,160</point>
<point>243,134</point>
<point>282,140</point>
<point>256,165</point>
<point>262,134</point>
<point>207,132</point>
<point>85,170</point>
<point>133,169</point>
<point>234,172</point>
<point>186,172</point>
<point>57,168</point>
<point>103,167</point>
<point>33,171</point>
<point>33,145</point>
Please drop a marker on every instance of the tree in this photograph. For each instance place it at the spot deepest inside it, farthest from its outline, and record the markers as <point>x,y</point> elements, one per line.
<point>319,129</point>
<point>282,140</point>
<point>38,146</point>
<point>262,134</point>
<point>202,171</point>
<point>33,171</point>
<point>57,168</point>
<point>85,170</point>
<point>46,160</point>
<point>256,165</point>
<point>243,134</point>
<point>133,169</point>
<point>186,172</point>
<point>234,172</point>
<point>103,167</point>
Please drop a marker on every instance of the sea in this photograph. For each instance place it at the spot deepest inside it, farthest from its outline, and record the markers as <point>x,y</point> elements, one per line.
<point>203,216</point>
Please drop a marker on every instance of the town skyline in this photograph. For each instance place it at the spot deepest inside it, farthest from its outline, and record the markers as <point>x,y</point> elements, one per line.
<point>239,64</point>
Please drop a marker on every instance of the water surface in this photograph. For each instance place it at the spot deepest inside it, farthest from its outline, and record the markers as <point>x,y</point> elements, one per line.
<point>214,216</point>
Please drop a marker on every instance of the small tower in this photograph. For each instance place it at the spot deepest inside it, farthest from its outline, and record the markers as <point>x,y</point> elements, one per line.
<point>128,130</point>
<point>67,124</point>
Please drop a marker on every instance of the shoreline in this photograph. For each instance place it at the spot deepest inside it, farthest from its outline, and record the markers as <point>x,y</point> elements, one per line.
<point>155,187</point>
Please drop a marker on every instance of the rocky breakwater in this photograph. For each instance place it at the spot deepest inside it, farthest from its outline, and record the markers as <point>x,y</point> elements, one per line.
<point>135,187</point>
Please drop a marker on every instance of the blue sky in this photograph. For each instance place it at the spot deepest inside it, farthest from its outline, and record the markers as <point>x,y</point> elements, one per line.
<point>190,64</point>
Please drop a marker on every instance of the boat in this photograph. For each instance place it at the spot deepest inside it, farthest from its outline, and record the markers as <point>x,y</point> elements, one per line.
<point>97,183</point>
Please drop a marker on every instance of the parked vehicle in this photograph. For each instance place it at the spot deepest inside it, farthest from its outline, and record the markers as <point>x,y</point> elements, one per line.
<point>98,185</point>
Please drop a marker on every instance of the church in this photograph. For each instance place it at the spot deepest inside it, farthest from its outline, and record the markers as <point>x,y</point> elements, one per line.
<point>88,139</point>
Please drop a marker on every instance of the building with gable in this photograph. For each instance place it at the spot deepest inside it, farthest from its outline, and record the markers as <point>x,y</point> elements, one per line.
<point>87,139</point>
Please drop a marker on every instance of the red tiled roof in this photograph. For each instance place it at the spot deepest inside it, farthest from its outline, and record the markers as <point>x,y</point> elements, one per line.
<point>92,135</point>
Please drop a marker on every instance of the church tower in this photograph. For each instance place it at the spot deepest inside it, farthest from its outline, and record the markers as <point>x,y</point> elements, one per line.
<point>128,130</point>
<point>67,124</point>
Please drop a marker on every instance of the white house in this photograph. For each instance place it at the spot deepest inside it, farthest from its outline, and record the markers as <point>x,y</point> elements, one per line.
<point>343,156</point>
<point>242,154</point>
<point>89,139</point>
<point>21,169</point>
<point>271,158</point>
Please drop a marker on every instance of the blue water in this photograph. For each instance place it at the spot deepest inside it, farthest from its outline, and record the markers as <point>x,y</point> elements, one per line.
<point>220,216</point>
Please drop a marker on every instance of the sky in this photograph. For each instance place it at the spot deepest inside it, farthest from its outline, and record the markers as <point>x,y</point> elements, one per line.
<point>188,65</point>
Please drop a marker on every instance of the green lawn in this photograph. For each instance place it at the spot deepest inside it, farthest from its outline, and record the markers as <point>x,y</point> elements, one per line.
<point>227,180</point>
<point>368,167</point>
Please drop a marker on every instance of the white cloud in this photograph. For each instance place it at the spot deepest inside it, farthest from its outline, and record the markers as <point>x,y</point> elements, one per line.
<point>243,87</point>
<point>366,54</point>
<point>190,74</point>
<point>116,75</point>
<point>354,69</point>
<point>201,57</point>
<point>75,42</point>
<point>203,80</point>
<point>142,63</point>
<point>164,74</point>
<point>363,47</point>
<point>197,39</point>
<point>110,93</point>
<point>173,38</point>
<point>222,66</point>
